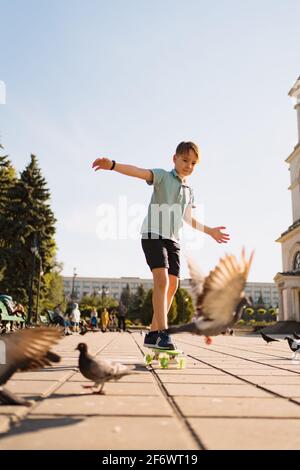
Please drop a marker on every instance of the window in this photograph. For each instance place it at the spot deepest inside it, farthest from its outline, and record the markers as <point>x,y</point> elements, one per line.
<point>296,266</point>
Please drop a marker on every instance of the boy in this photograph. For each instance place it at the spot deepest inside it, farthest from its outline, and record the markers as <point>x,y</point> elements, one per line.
<point>171,203</point>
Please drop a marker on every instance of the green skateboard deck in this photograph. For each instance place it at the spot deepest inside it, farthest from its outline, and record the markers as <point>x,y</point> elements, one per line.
<point>165,357</point>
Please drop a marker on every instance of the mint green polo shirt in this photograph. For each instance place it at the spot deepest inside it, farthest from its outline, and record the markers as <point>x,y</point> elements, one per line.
<point>170,198</point>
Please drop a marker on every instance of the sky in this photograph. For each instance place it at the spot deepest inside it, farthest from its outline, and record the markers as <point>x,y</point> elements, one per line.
<point>131,79</point>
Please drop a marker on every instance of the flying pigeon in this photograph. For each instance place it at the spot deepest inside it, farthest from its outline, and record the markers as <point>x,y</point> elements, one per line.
<point>268,339</point>
<point>99,371</point>
<point>25,350</point>
<point>296,336</point>
<point>219,298</point>
<point>294,345</point>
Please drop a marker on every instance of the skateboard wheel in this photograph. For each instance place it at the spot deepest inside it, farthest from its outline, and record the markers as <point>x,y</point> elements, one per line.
<point>181,363</point>
<point>164,361</point>
<point>148,359</point>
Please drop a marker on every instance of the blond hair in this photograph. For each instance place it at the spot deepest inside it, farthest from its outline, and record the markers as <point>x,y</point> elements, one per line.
<point>184,147</point>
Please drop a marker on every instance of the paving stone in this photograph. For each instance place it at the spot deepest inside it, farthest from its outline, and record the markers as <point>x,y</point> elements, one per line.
<point>31,386</point>
<point>248,434</point>
<point>285,390</point>
<point>274,379</point>
<point>87,404</point>
<point>238,407</point>
<point>96,433</point>
<point>113,388</point>
<point>200,379</point>
<point>4,423</point>
<point>215,390</point>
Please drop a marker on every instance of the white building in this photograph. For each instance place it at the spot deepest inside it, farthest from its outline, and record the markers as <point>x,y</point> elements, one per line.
<point>288,281</point>
<point>113,286</point>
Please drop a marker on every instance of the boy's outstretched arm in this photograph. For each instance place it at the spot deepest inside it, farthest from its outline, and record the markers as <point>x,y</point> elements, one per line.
<point>215,232</point>
<point>129,170</point>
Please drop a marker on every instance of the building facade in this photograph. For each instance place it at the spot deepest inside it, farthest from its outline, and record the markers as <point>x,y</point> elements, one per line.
<point>113,287</point>
<point>288,281</point>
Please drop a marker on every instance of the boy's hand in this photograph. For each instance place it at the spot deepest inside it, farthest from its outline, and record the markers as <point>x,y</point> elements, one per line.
<point>102,164</point>
<point>217,235</point>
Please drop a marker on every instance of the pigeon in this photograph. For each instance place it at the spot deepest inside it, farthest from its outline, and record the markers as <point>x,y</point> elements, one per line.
<point>294,345</point>
<point>99,371</point>
<point>27,349</point>
<point>296,336</point>
<point>219,298</point>
<point>267,339</point>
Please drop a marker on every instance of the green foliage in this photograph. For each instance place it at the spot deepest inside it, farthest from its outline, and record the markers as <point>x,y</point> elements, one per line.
<point>87,302</point>
<point>185,307</point>
<point>27,238</point>
<point>136,303</point>
<point>55,290</point>
<point>7,181</point>
<point>147,308</point>
<point>125,296</point>
<point>172,314</point>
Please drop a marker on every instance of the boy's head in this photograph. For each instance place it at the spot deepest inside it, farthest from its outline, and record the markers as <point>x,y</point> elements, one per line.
<point>186,157</point>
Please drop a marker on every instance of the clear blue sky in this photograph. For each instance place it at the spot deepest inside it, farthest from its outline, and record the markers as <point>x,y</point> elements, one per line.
<point>130,80</point>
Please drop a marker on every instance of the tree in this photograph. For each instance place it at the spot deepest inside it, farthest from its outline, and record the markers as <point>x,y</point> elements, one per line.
<point>125,296</point>
<point>55,289</point>
<point>29,236</point>
<point>185,307</point>
<point>136,303</point>
<point>147,309</point>
<point>172,314</point>
<point>7,181</point>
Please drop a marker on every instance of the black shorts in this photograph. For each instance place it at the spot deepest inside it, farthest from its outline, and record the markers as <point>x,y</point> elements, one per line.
<point>162,253</point>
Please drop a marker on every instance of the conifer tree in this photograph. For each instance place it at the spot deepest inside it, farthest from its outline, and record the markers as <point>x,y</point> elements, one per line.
<point>7,181</point>
<point>31,228</point>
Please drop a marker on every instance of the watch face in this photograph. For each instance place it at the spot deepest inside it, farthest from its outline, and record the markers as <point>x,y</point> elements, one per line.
<point>297,262</point>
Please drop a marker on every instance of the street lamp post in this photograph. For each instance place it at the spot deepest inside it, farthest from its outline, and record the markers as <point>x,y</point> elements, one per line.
<point>35,254</point>
<point>39,287</point>
<point>73,295</point>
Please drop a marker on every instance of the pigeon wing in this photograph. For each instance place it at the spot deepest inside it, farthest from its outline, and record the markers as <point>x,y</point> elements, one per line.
<point>223,288</point>
<point>28,349</point>
<point>197,281</point>
<point>98,371</point>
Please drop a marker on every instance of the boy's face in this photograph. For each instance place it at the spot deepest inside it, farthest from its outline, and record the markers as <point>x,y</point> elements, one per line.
<point>185,163</point>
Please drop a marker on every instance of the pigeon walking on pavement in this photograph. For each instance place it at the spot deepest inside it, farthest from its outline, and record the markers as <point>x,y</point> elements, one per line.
<point>294,345</point>
<point>267,338</point>
<point>219,298</point>
<point>100,370</point>
<point>27,349</point>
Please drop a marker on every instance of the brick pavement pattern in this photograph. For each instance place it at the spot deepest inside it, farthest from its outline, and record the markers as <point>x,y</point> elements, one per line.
<point>237,393</point>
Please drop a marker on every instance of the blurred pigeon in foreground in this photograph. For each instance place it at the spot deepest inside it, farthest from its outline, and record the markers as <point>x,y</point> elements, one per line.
<point>267,338</point>
<point>296,336</point>
<point>219,298</point>
<point>99,371</point>
<point>294,345</point>
<point>25,350</point>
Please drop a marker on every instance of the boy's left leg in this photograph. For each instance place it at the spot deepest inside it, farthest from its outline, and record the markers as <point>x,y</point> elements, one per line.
<point>173,286</point>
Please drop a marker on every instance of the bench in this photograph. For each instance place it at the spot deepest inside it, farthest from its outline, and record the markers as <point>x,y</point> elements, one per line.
<point>5,316</point>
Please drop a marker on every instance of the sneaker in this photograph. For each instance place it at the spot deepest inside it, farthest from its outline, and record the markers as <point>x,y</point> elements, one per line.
<point>164,341</point>
<point>150,339</point>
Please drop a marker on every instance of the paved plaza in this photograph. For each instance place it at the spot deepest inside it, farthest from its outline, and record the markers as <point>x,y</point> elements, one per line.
<point>237,393</point>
